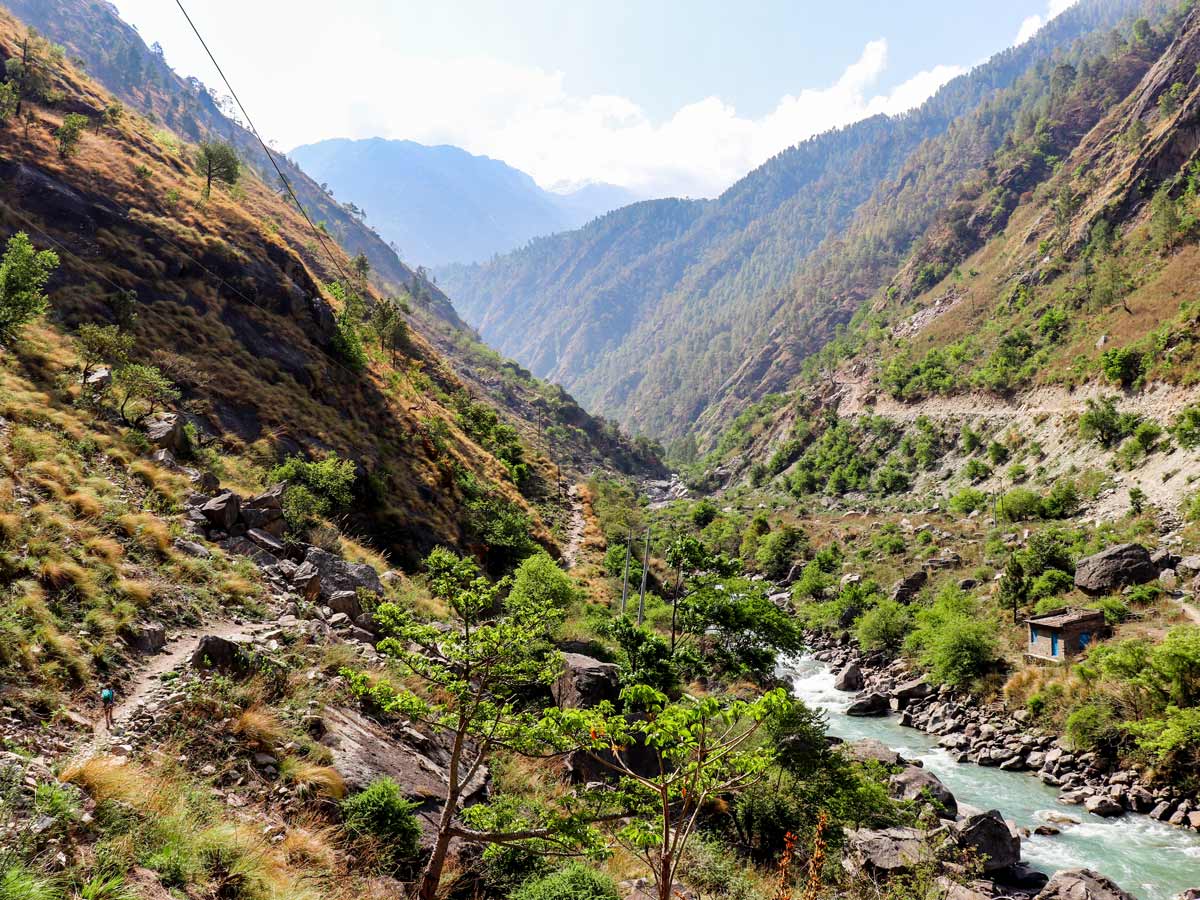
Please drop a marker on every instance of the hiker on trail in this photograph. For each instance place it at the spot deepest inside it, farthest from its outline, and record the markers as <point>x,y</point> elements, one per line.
<point>108,699</point>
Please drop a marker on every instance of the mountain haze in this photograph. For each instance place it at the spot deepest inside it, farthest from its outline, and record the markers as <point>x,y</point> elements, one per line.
<point>648,312</point>
<point>442,204</point>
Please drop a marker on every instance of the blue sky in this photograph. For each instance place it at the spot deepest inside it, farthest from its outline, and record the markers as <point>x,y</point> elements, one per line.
<point>662,96</point>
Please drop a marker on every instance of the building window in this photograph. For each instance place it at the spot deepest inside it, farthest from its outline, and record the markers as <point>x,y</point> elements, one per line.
<point>1084,640</point>
<point>1033,634</point>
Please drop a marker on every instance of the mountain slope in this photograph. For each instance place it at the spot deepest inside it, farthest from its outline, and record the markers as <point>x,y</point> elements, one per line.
<point>652,334</point>
<point>442,204</point>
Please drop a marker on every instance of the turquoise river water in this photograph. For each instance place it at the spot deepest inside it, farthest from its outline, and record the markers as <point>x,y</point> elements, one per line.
<point>1148,859</point>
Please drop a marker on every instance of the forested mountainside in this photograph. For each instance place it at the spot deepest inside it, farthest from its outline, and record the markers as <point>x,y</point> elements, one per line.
<point>647,312</point>
<point>442,204</point>
<point>116,56</point>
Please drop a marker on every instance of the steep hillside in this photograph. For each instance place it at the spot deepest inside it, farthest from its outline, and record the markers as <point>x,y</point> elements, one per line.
<point>647,312</point>
<point>442,204</point>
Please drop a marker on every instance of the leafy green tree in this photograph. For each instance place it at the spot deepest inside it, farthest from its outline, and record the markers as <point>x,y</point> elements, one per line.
<point>8,101</point>
<point>777,551</point>
<point>99,345</point>
<point>27,72</point>
<point>477,682</point>
<point>539,579</point>
<point>1137,500</point>
<point>24,272</point>
<point>1165,222</point>
<point>389,326</point>
<point>316,489</point>
<point>702,750</point>
<point>1014,586</point>
<point>884,626</point>
<point>1186,427</point>
<point>217,161</point>
<point>1102,423</point>
<point>143,391</point>
<point>1170,99</point>
<point>69,132</point>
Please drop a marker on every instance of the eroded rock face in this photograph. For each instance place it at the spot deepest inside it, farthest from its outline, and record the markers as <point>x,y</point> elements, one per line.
<point>585,682</point>
<point>337,575</point>
<point>915,783</point>
<point>1082,884</point>
<point>987,835</point>
<point>151,637</point>
<point>1113,568</point>
<point>907,587</point>
<point>888,851</point>
<point>222,510</point>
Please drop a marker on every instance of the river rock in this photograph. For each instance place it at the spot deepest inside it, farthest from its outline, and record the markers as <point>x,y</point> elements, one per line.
<point>1082,884</point>
<point>908,691</point>
<point>585,682</point>
<point>871,750</point>
<point>870,705</point>
<point>989,837</point>
<point>916,784</point>
<point>1103,805</point>
<point>887,851</point>
<point>849,679</point>
<point>1115,567</point>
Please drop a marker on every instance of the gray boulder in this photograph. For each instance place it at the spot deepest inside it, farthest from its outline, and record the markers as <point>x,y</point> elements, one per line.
<point>888,851</point>
<point>870,705</point>
<point>1103,805</point>
<point>1113,568</point>
<point>917,784</point>
<point>585,682</point>
<point>307,581</point>
<point>988,836</point>
<point>222,510</point>
<point>1081,884</point>
<point>908,691</point>
<point>337,575</point>
<point>871,750</point>
<point>150,638</point>
<point>165,430</point>
<point>219,653</point>
<point>271,498</point>
<point>849,679</point>
<point>908,586</point>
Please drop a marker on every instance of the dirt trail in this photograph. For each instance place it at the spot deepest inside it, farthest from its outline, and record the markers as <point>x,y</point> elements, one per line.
<point>179,650</point>
<point>575,530</point>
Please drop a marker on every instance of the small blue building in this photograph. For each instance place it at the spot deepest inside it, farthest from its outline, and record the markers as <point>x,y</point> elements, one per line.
<point>1061,634</point>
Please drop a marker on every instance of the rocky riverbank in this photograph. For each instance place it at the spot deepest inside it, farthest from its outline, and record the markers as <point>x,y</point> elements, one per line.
<point>989,735</point>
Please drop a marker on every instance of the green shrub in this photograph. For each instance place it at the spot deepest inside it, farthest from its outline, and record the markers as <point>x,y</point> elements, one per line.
<point>1019,505</point>
<point>1016,473</point>
<point>976,470</point>
<point>382,814</point>
<point>1191,509</point>
<point>1091,726</point>
<point>997,453</point>
<point>614,563</point>
<point>315,490</point>
<point>1102,423</point>
<point>574,881</point>
<point>1186,427</point>
<point>1123,365</point>
<point>884,626</point>
<point>970,439</point>
<point>952,640</point>
<point>539,579</point>
<point>703,513</point>
<point>1115,610</point>
<point>888,539</point>
<point>1063,500</point>
<point>778,550</point>
<point>968,500</point>
<point>1050,584</point>
<point>17,882</point>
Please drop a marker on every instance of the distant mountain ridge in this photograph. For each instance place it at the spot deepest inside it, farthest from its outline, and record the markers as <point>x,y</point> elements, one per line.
<point>664,314</point>
<point>441,204</point>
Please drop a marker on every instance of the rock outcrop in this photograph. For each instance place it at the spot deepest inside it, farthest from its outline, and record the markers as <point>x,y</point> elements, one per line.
<point>1082,884</point>
<point>1113,568</point>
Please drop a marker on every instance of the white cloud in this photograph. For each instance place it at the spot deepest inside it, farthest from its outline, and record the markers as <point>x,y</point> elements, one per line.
<point>527,118</point>
<point>1031,25</point>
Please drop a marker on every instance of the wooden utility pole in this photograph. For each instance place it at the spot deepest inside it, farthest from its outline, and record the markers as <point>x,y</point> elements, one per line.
<point>625,577</point>
<point>645,572</point>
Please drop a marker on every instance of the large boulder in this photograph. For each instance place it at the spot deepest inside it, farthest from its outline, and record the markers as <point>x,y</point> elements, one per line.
<point>1103,805</point>
<point>222,654</point>
<point>849,679</point>
<point>888,851</point>
<point>222,510</point>
<point>165,431</point>
<point>1116,567</point>
<point>1081,884</point>
<point>585,682</point>
<point>989,838</point>
<point>908,691</point>
<point>337,575</point>
<point>872,750</point>
<point>870,705</point>
<point>150,637</point>
<point>907,587</point>
<point>917,784</point>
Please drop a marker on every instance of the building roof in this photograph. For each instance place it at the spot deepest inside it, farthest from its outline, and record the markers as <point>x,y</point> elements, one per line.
<point>1060,618</point>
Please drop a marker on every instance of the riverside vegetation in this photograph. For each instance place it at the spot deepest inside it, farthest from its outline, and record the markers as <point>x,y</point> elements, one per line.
<point>315,535</point>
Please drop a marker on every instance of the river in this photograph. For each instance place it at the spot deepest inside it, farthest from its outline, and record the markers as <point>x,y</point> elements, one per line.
<point>1148,859</point>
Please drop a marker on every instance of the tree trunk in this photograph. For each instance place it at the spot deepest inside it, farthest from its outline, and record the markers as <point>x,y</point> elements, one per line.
<point>432,876</point>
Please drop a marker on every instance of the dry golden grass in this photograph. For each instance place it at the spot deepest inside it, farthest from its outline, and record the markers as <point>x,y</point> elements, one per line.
<point>61,574</point>
<point>311,844</point>
<point>259,726</point>
<point>136,592</point>
<point>85,504</point>
<point>10,528</point>
<point>312,779</point>
<point>238,587</point>
<point>147,530</point>
<point>115,778</point>
<point>105,548</point>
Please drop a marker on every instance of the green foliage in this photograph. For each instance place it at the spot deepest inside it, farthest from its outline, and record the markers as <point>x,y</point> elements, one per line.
<point>970,439</point>
<point>142,391</point>
<point>68,133</point>
<point>8,101</point>
<point>1123,365</point>
<point>1170,99</point>
<point>574,881</point>
<point>997,453</point>
<point>1186,427</point>
<point>1019,505</point>
<point>1091,726</point>
<point>952,640</point>
<point>976,470</point>
<point>778,550</point>
<point>968,500</point>
<point>217,161</point>
<point>24,272</point>
<point>884,626</point>
<point>19,882</point>
<point>382,812</point>
<point>817,576</point>
<point>315,489</point>
<point>1102,423</point>
<point>1053,324</point>
<point>101,345</point>
<point>483,424</point>
<point>539,580</point>
<point>1049,584</point>
<point>614,563</point>
<point>844,457</point>
<point>644,657</point>
<point>704,512</point>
